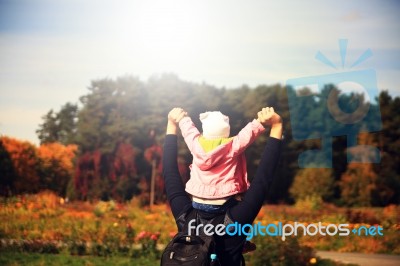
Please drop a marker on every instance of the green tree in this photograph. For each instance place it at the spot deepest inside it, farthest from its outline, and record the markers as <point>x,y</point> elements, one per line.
<point>59,127</point>
<point>109,126</point>
<point>387,140</point>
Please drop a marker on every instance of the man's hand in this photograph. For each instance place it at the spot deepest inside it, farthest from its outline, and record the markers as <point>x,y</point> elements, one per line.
<point>267,116</point>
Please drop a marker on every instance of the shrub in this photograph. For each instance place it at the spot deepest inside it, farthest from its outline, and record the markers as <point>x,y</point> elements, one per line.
<point>312,202</point>
<point>312,186</point>
<point>103,207</point>
<point>274,251</point>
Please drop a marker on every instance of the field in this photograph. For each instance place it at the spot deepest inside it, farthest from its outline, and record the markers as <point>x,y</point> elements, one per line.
<point>111,233</point>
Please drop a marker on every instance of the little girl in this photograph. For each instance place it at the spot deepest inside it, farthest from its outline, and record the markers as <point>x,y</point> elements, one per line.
<point>218,171</point>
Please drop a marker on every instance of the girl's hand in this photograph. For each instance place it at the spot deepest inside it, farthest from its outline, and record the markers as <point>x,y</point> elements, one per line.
<point>267,116</point>
<point>176,114</point>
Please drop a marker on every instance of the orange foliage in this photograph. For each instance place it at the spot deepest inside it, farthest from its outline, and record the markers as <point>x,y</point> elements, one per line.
<point>35,168</point>
<point>359,182</point>
<point>63,155</point>
<point>25,163</point>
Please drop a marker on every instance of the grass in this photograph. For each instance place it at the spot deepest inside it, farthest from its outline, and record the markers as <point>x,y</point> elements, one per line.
<point>35,259</point>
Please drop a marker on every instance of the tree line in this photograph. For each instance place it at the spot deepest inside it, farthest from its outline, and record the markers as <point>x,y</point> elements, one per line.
<point>26,168</point>
<point>119,125</point>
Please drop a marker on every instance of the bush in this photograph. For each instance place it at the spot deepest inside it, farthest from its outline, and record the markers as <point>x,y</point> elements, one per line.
<point>274,251</point>
<point>313,185</point>
<point>103,207</point>
<point>312,202</point>
<point>34,246</point>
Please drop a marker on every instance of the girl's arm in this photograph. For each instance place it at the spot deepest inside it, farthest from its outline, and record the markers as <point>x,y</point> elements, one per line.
<point>189,132</point>
<point>252,130</point>
<point>246,136</point>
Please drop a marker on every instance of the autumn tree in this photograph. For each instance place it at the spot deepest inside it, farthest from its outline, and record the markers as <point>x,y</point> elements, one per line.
<point>25,164</point>
<point>313,182</point>
<point>360,184</point>
<point>7,171</point>
<point>57,166</point>
<point>26,168</point>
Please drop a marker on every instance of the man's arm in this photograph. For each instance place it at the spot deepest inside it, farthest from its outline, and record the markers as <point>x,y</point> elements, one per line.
<point>248,208</point>
<point>276,131</point>
<point>174,186</point>
<point>174,116</point>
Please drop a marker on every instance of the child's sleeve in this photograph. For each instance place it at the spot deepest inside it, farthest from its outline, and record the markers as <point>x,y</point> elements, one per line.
<point>189,132</point>
<point>246,136</point>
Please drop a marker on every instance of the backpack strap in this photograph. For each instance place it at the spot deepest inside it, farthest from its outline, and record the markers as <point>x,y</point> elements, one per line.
<point>183,223</point>
<point>185,218</point>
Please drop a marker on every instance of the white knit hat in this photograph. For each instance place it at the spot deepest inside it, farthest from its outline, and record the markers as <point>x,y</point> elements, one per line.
<point>215,125</point>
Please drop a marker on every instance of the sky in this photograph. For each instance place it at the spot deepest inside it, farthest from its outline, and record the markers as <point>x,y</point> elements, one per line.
<point>50,51</point>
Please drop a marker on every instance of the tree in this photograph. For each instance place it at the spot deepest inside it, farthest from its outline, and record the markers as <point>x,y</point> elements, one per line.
<point>7,171</point>
<point>376,184</point>
<point>109,126</point>
<point>25,164</point>
<point>57,167</point>
<point>313,182</point>
<point>359,182</point>
<point>153,155</point>
<point>124,111</point>
<point>59,127</point>
<point>121,112</point>
<point>388,142</point>
<point>357,185</point>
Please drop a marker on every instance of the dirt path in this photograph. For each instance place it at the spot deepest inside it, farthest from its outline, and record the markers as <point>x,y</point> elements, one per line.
<point>361,259</point>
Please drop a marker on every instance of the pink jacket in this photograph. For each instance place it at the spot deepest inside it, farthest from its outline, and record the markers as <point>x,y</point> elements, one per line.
<point>221,172</point>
